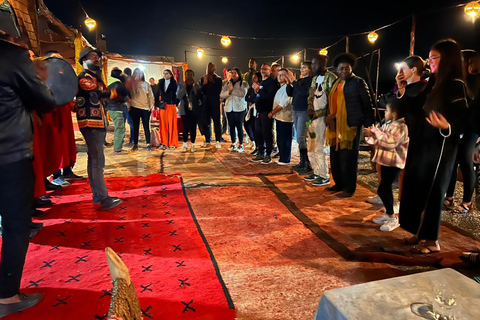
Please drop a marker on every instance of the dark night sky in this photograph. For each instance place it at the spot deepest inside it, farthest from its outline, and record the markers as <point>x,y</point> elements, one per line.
<point>149,27</point>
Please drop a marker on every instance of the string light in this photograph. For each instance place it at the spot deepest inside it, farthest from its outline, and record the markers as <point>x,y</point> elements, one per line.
<point>472,9</point>
<point>372,37</point>
<point>296,57</point>
<point>323,52</point>
<point>90,23</point>
<point>225,41</point>
<point>200,53</point>
<point>224,59</point>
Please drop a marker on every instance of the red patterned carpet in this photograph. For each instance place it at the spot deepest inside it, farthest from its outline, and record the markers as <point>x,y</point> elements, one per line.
<point>155,233</point>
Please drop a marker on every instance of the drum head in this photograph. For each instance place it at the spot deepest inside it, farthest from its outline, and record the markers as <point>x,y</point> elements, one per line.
<point>62,80</point>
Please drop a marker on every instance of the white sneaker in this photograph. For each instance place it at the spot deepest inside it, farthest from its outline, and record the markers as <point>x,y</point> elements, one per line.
<point>184,149</point>
<point>218,145</point>
<point>382,219</point>
<point>240,149</point>
<point>205,145</point>
<point>60,182</point>
<point>374,200</point>
<point>390,225</point>
<point>192,149</point>
<point>232,148</point>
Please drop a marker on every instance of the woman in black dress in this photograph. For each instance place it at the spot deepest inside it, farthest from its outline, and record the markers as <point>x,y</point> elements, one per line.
<point>432,144</point>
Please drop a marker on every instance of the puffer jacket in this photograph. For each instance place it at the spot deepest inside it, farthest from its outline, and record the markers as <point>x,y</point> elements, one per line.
<point>358,101</point>
<point>21,93</point>
<point>235,100</point>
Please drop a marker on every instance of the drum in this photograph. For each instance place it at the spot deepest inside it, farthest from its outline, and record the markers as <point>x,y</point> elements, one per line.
<point>62,80</point>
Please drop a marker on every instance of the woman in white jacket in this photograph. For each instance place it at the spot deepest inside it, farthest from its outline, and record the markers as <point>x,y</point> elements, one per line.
<point>283,114</point>
<point>233,92</point>
<point>141,107</point>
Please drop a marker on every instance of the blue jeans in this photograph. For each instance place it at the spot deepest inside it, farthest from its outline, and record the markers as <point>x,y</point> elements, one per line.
<point>299,119</point>
<point>95,138</point>
<point>126,116</point>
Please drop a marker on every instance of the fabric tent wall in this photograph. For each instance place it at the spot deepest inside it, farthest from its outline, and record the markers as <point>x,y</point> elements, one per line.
<point>151,69</point>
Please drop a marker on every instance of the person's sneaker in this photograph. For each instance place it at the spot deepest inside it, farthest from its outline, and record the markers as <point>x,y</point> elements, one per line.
<point>192,149</point>
<point>240,149</point>
<point>320,182</point>
<point>149,148</point>
<point>374,200</point>
<point>26,301</point>
<point>267,160</point>
<point>205,145</point>
<point>117,152</point>
<point>172,148</point>
<point>390,225</point>
<point>232,148</point>
<point>382,219</point>
<point>110,202</point>
<point>162,147</point>
<point>258,158</point>
<point>311,177</point>
<point>280,163</point>
<point>60,182</point>
<point>135,147</point>
<point>184,149</point>
<point>72,176</point>
<point>254,152</point>
<point>218,145</point>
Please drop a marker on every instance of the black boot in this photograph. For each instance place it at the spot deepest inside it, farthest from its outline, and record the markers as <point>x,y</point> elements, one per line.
<point>303,158</point>
<point>307,169</point>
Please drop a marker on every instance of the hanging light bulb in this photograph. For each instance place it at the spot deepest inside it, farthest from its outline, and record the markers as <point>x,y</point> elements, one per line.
<point>372,37</point>
<point>472,9</point>
<point>323,52</point>
<point>200,52</point>
<point>90,23</point>
<point>225,41</point>
<point>224,59</point>
<point>296,57</point>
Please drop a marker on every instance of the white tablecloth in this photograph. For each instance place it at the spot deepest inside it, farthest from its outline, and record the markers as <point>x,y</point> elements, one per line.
<point>391,298</point>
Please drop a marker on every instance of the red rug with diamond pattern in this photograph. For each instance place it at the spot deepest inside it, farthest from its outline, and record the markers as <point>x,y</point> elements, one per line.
<point>156,234</point>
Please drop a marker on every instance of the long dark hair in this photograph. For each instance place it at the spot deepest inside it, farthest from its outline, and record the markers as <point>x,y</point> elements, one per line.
<point>449,69</point>
<point>239,76</point>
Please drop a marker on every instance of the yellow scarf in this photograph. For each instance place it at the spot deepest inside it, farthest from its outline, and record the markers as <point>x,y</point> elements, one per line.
<point>343,136</point>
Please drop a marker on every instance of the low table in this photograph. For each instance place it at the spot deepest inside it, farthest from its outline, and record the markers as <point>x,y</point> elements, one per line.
<point>391,298</point>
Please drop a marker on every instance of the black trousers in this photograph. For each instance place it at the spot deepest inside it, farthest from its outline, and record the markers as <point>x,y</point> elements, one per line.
<point>235,122</point>
<point>284,140</point>
<point>136,115</point>
<point>17,182</point>
<point>189,121</point>
<point>344,165</point>
<point>263,133</point>
<point>250,128</point>
<point>213,112</point>
<point>464,160</point>
<point>389,174</point>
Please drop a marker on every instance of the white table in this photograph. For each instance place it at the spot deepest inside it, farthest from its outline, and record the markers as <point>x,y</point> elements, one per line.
<point>391,298</point>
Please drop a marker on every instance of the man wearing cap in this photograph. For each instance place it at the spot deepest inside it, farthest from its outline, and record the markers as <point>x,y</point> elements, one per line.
<point>92,123</point>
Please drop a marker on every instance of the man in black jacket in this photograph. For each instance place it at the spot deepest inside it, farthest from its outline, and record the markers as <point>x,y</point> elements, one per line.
<point>265,91</point>
<point>211,85</point>
<point>21,93</point>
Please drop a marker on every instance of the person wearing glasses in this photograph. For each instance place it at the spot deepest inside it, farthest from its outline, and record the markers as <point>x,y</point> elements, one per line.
<point>350,108</point>
<point>431,154</point>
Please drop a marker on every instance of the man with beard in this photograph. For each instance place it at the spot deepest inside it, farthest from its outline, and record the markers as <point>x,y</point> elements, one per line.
<point>252,68</point>
<point>92,123</point>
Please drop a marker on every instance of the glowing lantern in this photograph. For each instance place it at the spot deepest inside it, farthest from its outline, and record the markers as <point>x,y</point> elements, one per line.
<point>296,57</point>
<point>90,23</point>
<point>472,9</point>
<point>372,37</point>
<point>226,41</point>
<point>224,59</point>
<point>200,52</point>
<point>323,52</point>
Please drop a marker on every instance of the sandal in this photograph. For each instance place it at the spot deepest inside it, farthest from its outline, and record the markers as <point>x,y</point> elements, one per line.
<point>448,204</point>
<point>421,249</point>
<point>463,209</point>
